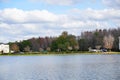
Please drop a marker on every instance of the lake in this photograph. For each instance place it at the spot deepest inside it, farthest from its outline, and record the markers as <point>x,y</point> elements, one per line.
<point>60,67</point>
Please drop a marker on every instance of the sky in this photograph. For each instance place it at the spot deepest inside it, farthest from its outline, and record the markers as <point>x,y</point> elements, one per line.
<point>24,19</point>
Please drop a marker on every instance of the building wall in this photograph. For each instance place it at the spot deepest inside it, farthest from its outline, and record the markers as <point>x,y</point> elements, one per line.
<point>119,43</point>
<point>4,48</point>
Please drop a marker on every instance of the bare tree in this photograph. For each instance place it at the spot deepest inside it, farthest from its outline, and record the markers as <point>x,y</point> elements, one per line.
<point>27,49</point>
<point>108,41</point>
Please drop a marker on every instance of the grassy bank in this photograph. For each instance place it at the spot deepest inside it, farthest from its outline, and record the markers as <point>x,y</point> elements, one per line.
<point>59,53</point>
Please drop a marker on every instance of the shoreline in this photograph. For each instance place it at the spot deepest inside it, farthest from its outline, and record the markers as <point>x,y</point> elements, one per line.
<point>58,53</point>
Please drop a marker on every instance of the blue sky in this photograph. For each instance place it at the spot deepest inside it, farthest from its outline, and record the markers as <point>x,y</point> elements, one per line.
<point>56,8</point>
<point>25,19</point>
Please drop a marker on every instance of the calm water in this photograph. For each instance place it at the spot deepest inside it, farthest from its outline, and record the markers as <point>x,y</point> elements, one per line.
<point>62,67</point>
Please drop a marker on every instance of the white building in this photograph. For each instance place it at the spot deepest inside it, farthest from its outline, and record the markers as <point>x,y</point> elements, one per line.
<point>4,48</point>
<point>119,43</point>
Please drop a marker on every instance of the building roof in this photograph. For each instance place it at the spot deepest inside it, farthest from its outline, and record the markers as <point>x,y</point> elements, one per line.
<point>3,43</point>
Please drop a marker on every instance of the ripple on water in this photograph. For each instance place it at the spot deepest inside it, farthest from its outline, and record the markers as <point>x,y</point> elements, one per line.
<point>80,67</point>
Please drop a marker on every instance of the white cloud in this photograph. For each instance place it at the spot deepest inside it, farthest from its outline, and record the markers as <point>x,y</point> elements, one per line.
<point>96,15</point>
<point>19,16</point>
<point>112,3</point>
<point>17,24</point>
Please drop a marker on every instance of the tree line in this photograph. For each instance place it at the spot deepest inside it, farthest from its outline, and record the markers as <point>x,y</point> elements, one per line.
<point>97,39</point>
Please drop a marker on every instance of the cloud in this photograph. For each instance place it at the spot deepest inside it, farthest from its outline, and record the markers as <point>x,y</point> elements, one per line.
<point>17,24</point>
<point>96,15</point>
<point>19,16</point>
<point>112,3</point>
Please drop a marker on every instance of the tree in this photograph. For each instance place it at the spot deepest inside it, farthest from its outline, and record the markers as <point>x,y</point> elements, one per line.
<point>35,44</point>
<point>64,42</point>
<point>98,47</point>
<point>108,41</point>
<point>15,47</point>
<point>76,47</point>
<point>27,49</point>
<point>23,45</point>
<point>48,49</point>
<point>68,42</point>
<point>83,44</point>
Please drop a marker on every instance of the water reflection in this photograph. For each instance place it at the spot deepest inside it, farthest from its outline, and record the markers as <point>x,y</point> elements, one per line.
<point>69,67</point>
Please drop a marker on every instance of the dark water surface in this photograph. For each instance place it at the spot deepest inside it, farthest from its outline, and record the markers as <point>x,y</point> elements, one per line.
<point>60,67</point>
